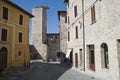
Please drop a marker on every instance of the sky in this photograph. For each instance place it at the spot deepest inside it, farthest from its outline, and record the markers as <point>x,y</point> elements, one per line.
<point>52,16</point>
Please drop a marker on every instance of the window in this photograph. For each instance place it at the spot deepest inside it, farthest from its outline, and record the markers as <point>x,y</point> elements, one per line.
<point>4,35</point>
<point>76,30</point>
<point>20,37</point>
<point>65,19</point>
<point>75,11</point>
<point>93,18</point>
<point>68,20</point>
<point>5,13</point>
<point>19,53</point>
<point>21,20</point>
<point>68,3</point>
<point>104,55</point>
<point>68,36</point>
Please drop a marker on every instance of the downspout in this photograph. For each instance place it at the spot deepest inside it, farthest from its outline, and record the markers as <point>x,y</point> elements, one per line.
<point>83,32</point>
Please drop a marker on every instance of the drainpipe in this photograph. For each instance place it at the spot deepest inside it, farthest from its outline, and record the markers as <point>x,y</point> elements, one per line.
<point>83,32</point>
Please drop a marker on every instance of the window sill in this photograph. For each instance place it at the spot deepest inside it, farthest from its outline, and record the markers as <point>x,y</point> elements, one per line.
<point>4,20</point>
<point>4,41</point>
<point>93,22</point>
<point>20,43</point>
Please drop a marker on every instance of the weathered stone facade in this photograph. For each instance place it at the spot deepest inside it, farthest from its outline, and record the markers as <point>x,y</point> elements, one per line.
<point>75,44</point>
<point>39,31</point>
<point>53,42</point>
<point>45,46</point>
<point>63,31</point>
<point>102,36</point>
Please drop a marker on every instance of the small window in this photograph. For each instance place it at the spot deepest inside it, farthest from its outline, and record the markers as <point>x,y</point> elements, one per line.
<point>20,37</point>
<point>65,19</point>
<point>75,11</point>
<point>68,20</point>
<point>21,20</point>
<point>19,53</point>
<point>4,35</point>
<point>93,17</point>
<point>68,36</point>
<point>5,13</point>
<point>76,30</point>
<point>68,3</point>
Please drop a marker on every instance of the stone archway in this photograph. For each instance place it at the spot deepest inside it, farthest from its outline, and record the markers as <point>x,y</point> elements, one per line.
<point>3,57</point>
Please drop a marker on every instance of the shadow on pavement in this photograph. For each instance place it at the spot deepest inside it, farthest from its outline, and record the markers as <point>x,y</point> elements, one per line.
<point>44,71</point>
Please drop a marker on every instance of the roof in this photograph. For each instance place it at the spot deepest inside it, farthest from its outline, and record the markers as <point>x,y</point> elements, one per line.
<point>59,14</point>
<point>18,7</point>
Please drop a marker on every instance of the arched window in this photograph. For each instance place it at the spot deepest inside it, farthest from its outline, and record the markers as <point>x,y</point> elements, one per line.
<point>104,55</point>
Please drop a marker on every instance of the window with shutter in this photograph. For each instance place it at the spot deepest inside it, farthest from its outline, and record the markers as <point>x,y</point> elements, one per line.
<point>93,16</point>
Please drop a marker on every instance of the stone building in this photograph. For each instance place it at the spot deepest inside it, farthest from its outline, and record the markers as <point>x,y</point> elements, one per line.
<point>63,31</point>
<point>14,35</point>
<point>94,38</point>
<point>39,32</point>
<point>53,42</point>
<point>44,46</point>
<point>74,33</point>
<point>63,34</point>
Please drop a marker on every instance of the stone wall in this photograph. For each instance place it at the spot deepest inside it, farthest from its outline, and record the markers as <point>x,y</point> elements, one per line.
<point>63,31</point>
<point>105,30</point>
<point>39,27</point>
<point>53,42</point>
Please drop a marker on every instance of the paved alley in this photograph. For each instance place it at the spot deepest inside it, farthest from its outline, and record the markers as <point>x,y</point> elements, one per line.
<point>49,71</point>
<point>44,71</point>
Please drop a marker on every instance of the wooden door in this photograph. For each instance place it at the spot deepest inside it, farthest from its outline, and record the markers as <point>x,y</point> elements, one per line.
<point>92,59</point>
<point>80,57</point>
<point>76,60</point>
<point>118,46</point>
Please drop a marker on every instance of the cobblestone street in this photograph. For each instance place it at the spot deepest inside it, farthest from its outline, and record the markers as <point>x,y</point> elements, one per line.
<point>48,71</point>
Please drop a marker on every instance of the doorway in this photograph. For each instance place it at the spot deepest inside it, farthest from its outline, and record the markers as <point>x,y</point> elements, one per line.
<point>91,57</point>
<point>80,57</point>
<point>118,50</point>
<point>104,56</point>
<point>71,58</point>
<point>3,57</point>
<point>76,60</point>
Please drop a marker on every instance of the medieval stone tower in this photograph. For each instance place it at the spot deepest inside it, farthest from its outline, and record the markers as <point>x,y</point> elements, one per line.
<point>39,31</point>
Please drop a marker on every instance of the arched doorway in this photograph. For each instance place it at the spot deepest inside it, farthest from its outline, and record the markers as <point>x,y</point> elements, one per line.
<point>3,57</point>
<point>104,55</point>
